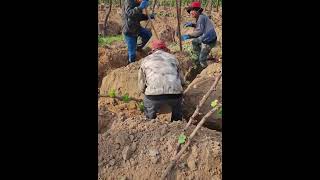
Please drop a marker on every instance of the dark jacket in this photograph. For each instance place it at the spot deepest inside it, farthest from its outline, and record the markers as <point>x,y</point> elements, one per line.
<point>132,15</point>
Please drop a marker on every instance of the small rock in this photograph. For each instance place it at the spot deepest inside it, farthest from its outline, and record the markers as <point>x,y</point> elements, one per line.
<point>121,114</point>
<point>126,153</point>
<point>191,177</point>
<point>122,118</point>
<point>162,139</point>
<point>132,105</point>
<point>194,151</point>
<point>154,143</point>
<point>155,159</point>
<point>191,163</point>
<point>133,162</point>
<point>112,162</point>
<point>156,136</point>
<point>117,146</point>
<point>124,178</point>
<point>182,165</point>
<point>131,137</point>
<point>122,139</point>
<point>110,101</point>
<point>163,131</point>
<point>122,106</point>
<point>152,120</point>
<point>134,146</point>
<point>170,147</point>
<point>153,152</point>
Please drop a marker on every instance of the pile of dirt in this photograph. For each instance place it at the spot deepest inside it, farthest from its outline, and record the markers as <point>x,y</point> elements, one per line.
<point>111,58</point>
<point>135,148</point>
<point>119,108</point>
<point>114,23</point>
<point>105,119</point>
<point>114,28</point>
<point>197,89</point>
<point>167,34</point>
<point>125,79</point>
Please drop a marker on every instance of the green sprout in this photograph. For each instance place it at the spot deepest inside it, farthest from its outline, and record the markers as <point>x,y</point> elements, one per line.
<point>126,98</point>
<point>182,139</point>
<point>112,93</point>
<point>214,103</point>
<point>141,106</point>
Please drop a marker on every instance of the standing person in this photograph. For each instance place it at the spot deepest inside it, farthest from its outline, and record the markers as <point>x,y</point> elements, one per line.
<point>204,36</point>
<point>160,79</point>
<point>132,15</point>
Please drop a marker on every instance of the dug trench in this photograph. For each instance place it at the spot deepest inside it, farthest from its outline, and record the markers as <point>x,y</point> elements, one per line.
<point>115,74</point>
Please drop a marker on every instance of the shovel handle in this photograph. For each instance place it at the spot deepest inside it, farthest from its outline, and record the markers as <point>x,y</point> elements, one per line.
<point>155,32</point>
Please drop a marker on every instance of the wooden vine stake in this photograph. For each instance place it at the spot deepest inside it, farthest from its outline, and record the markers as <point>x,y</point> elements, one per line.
<point>178,19</point>
<point>203,100</point>
<point>154,5</point>
<point>177,157</point>
<point>154,30</point>
<point>196,112</point>
<point>106,19</point>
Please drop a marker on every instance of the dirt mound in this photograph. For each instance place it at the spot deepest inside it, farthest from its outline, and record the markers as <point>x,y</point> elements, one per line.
<point>114,24</point>
<point>125,79</point>
<point>167,34</point>
<point>111,58</point>
<point>113,28</point>
<point>105,119</point>
<point>120,108</point>
<point>138,149</point>
<point>197,89</point>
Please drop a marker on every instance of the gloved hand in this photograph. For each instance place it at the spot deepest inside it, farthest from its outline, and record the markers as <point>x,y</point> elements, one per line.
<point>185,37</point>
<point>188,24</point>
<point>152,16</point>
<point>144,4</point>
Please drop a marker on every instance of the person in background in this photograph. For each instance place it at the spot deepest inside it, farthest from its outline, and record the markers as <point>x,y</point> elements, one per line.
<point>132,15</point>
<point>204,35</point>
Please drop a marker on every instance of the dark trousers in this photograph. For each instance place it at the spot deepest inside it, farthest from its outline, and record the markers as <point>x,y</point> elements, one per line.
<point>153,103</point>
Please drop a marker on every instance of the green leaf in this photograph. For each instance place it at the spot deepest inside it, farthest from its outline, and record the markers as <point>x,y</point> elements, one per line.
<point>112,93</point>
<point>141,106</point>
<point>182,139</point>
<point>214,103</point>
<point>126,98</point>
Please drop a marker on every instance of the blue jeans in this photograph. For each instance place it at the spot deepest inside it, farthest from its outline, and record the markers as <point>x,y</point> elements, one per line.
<point>132,42</point>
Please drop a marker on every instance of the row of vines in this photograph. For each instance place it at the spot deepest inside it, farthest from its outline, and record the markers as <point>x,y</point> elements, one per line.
<point>208,4</point>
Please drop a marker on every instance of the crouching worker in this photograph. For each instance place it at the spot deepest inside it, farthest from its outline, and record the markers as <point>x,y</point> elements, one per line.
<point>160,79</point>
<point>204,36</point>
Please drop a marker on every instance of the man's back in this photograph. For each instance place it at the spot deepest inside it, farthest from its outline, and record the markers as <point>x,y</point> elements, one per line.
<point>162,74</point>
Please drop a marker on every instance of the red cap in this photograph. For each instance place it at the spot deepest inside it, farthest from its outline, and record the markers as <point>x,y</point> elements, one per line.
<point>158,44</point>
<point>195,4</point>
